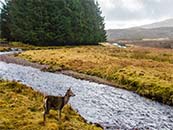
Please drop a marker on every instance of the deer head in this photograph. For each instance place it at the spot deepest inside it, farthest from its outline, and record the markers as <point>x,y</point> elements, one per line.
<point>70,93</point>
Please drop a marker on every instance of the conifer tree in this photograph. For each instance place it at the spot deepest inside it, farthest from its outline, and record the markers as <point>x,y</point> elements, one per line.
<point>52,22</point>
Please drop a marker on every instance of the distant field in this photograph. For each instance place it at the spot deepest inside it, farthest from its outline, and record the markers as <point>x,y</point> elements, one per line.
<point>21,109</point>
<point>147,71</point>
<point>156,44</point>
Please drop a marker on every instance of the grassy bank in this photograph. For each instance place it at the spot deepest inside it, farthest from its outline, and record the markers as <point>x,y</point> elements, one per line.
<point>8,46</point>
<point>147,71</point>
<point>4,48</point>
<point>21,109</point>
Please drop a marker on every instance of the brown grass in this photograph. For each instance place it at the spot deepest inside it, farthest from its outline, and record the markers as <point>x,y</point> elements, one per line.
<point>4,48</point>
<point>147,71</point>
<point>21,109</point>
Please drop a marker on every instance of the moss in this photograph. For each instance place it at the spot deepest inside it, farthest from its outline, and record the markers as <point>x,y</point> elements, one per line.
<point>21,109</point>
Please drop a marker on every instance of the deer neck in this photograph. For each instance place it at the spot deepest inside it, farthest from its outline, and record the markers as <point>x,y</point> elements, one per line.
<point>66,99</point>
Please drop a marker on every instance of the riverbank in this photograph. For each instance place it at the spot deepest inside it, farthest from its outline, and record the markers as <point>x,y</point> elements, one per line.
<point>146,71</point>
<point>8,45</point>
<point>17,60</point>
<point>2,49</point>
<point>113,108</point>
<point>21,108</point>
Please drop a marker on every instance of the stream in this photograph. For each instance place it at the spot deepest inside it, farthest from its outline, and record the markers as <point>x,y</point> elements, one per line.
<point>113,108</point>
<point>11,51</point>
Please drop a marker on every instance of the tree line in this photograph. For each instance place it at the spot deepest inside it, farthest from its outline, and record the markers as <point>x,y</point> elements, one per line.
<point>52,22</point>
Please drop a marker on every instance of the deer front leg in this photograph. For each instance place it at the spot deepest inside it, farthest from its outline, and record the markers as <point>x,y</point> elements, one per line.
<point>46,110</point>
<point>44,116</point>
<point>59,114</point>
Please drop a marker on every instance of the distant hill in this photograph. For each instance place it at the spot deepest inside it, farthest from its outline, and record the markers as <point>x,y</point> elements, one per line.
<point>140,33</point>
<point>157,30</point>
<point>165,23</point>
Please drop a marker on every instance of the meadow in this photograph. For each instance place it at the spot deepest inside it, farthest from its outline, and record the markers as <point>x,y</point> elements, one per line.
<point>146,71</point>
<point>22,107</point>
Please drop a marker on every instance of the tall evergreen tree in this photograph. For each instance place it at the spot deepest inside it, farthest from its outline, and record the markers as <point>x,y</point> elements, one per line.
<point>5,21</point>
<point>53,22</point>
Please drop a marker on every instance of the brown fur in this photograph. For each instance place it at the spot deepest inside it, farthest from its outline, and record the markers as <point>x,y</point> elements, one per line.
<point>56,103</point>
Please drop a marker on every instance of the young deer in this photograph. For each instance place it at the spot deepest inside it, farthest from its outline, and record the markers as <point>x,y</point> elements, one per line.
<point>56,103</point>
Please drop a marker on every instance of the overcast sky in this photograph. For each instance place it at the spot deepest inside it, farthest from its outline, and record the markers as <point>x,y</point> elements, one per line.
<point>128,13</point>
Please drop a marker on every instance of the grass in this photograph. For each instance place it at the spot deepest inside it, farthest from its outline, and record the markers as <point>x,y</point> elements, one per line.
<point>6,47</point>
<point>22,107</point>
<point>29,47</point>
<point>146,71</point>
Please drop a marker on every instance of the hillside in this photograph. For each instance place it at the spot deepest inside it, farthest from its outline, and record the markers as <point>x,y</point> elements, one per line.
<point>157,30</point>
<point>165,23</point>
<point>140,33</point>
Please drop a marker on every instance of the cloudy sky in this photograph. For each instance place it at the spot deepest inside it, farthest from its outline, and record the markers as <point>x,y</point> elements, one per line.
<point>128,13</point>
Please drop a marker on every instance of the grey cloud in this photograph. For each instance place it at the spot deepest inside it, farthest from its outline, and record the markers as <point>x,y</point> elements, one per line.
<point>130,10</point>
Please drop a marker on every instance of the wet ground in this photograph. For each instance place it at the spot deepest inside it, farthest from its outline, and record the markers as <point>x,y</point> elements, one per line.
<point>111,107</point>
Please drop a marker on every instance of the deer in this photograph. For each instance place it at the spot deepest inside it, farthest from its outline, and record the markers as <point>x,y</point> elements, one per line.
<point>56,103</point>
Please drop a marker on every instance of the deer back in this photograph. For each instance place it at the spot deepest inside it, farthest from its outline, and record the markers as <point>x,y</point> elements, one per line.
<point>55,102</point>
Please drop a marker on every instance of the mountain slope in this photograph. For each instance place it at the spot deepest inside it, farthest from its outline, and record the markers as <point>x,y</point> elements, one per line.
<point>139,33</point>
<point>165,23</point>
<point>157,30</point>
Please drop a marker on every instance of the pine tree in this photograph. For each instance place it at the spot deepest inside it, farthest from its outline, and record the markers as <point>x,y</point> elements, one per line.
<point>53,22</point>
<point>5,21</point>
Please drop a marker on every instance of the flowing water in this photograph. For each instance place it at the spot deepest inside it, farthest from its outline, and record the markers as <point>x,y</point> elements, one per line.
<point>11,51</point>
<point>111,107</point>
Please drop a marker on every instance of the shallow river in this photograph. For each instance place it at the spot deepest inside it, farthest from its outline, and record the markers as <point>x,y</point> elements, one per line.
<point>113,108</point>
